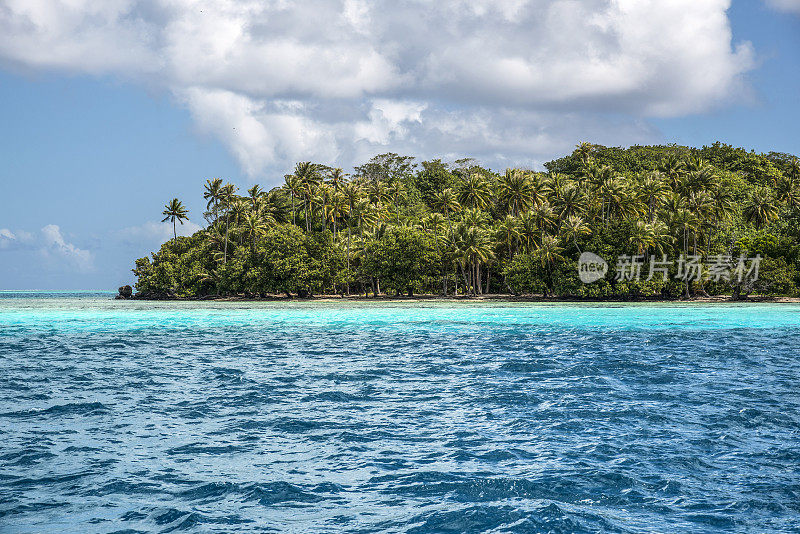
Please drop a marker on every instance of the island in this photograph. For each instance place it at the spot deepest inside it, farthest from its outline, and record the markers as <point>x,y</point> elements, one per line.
<point>649,222</point>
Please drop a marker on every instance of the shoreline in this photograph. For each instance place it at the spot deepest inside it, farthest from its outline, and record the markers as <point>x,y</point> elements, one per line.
<point>725,299</point>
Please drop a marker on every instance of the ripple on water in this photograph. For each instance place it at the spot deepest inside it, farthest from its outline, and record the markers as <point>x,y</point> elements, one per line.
<point>196,417</point>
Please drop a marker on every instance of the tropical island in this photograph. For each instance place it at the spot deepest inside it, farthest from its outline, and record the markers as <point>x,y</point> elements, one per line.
<point>394,227</point>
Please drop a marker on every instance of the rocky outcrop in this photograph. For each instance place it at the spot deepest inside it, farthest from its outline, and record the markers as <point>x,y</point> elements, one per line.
<point>125,292</point>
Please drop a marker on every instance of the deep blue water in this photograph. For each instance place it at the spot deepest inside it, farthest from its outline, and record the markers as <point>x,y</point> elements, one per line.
<point>367,417</point>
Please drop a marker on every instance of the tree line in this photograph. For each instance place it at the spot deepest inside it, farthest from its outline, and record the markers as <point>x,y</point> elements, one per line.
<point>393,226</point>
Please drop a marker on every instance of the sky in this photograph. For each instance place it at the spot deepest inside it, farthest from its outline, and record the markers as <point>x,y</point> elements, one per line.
<point>109,109</point>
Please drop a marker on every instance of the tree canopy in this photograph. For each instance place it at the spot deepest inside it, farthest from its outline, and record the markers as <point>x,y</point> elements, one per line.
<point>394,226</point>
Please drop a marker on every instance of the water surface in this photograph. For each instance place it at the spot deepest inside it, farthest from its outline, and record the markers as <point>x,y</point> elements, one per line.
<point>412,417</point>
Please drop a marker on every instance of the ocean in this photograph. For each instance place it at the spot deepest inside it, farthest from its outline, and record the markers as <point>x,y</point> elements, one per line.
<point>358,416</point>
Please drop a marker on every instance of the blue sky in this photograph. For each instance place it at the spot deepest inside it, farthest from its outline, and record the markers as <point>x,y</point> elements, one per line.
<point>108,112</point>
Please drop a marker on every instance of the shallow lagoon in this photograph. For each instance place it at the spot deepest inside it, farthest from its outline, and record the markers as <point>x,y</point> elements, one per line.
<point>377,416</point>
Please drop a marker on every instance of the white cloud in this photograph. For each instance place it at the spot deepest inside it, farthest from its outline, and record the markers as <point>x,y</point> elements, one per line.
<point>55,246</point>
<point>331,80</point>
<point>789,6</point>
<point>7,238</point>
<point>153,232</point>
<point>17,239</point>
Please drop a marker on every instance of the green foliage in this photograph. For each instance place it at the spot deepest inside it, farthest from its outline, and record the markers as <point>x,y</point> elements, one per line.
<point>398,228</point>
<point>403,257</point>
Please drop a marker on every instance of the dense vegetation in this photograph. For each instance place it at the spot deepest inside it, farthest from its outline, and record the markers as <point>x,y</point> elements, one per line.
<point>395,227</point>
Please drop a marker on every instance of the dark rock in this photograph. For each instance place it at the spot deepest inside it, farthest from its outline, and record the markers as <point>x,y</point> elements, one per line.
<point>125,292</point>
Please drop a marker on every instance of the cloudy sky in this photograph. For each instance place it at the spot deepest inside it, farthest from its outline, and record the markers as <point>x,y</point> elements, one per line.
<point>111,108</point>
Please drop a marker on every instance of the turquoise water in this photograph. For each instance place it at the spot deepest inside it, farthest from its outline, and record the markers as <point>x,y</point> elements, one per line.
<point>120,416</point>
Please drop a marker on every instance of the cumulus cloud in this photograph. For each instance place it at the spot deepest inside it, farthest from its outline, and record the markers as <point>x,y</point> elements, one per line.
<point>788,6</point>
<point>55,246</point>
<point>333,80</point>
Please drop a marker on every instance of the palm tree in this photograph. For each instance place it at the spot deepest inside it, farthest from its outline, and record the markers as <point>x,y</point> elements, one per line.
<point>376,192</point>
<point>539,189</point>
<point>446,202</point>
<point>396,191</point>
<point>506,233</point>
<point>339,209</point>
<point>642,237</point>
<point>227,193</point>
<point>337,178</point>
<point>662,240</point>
<point>569,201</point>
<point>549,252</point>
<point>584,151</point>
<point>436,224</point>
<point>612,193</point>
<point>174,211</point>
<point>272,206</point>
<point>474,191</point>
<point>760,208</point>
<point>573,228</point>
<point>213,194</point>
<point>529,230</point>
<point>254,228</point>
<point>653,191</point>
<point>293,184</point>
<point>308,177</point>
<point>544,215</point>
<point>671,167</point>
<point>255,194</point>
<point>596,175</point>
<point>323,198</point>
<point>474,247</point>
<point>516,191</point>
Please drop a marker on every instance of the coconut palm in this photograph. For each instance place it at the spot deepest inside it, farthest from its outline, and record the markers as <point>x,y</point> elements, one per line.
<point>596,174</point>
<point>569,201</point>
<point>474,247</point>
<point>308,177</point>
<point>323,199</point>
<point>436,224</point>
<point>212,195</point>
<point>760,207</point>
<point>227,194</point>
<point>255,193</point>
<point>573,228</point>
<point>294,186</point>
<point>662,240</point>
<point>515,191</point>
<point>474,191</point>
<point>540,189</point>
<point>337,178</point>
<point>613,195</point>
<point>475,217</point>
<point>339,210</point>
<point>506,233</point>
<point>376,192</point>
<point>549,252</point>
<point>396,192</point>
<point>544,215</point>
<point>174,211</point>
<point>653,191</point>
<point>254,228</point>
<point>446,202</point>
<point>529,230</point>
<point>642,237</point>
<point>584,152</point>
<point>671,167</point>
